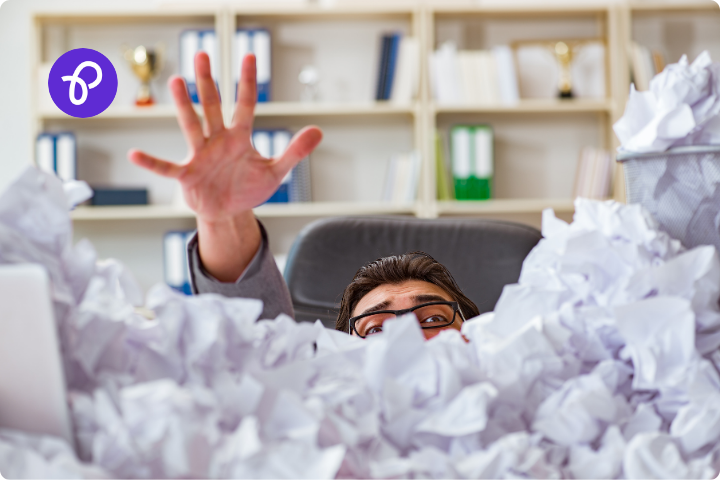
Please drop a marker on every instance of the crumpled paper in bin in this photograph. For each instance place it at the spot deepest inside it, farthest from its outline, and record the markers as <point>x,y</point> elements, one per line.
<point>601,362</point>
<point>681,108</point>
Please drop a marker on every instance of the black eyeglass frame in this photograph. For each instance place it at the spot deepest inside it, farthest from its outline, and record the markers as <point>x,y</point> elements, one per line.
<point>455,306</point>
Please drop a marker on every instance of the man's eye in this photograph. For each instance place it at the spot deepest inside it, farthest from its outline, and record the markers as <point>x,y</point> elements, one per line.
<point>373,330</point>
<point>434,319</point>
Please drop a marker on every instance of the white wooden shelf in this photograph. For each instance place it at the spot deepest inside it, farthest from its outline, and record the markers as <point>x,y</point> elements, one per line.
<point>517,8</point>
<point>689,5</point>
<point>270,109</point>
<point>130,212</point>
<point>309,209</point>
<point>504,206</point>
<point>532,106</point>
<point>372,7</point>
<point>128,112</point>
<point>291,109</point>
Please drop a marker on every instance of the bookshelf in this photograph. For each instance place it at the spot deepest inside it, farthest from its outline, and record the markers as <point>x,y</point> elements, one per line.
<point>538,140</point>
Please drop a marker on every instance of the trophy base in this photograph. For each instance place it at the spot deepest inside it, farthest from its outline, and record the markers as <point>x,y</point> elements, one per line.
<point>566,95</point>
<point>144,102</point>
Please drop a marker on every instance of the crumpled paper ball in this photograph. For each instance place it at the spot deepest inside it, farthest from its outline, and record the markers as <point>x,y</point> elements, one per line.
<point>681,108</point>
<point>601,362</point>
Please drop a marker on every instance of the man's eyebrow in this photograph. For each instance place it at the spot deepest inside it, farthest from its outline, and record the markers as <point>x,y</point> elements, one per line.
<point>426,298</point>
<point>380,306</point>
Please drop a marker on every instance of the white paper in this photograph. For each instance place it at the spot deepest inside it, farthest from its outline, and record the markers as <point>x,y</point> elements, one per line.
<point>681,108</point>
<point>600,362</point>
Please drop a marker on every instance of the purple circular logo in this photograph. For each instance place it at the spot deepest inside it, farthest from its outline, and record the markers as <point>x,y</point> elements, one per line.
<point>83,83</point>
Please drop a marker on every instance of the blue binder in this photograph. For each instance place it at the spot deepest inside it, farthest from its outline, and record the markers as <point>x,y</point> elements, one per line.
<point>191,42</point>
<point>57,153</point>
<point>257,41</point>
<point>295,187</point>
<point>177,272</point>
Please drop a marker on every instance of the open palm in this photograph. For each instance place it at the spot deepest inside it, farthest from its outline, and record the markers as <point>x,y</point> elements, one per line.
<point>223,174</point>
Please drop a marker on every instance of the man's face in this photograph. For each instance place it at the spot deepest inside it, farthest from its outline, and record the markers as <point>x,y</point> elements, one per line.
<point>405,295</point>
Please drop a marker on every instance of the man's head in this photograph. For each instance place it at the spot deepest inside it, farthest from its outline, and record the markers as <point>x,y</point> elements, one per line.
<point>401,282</point>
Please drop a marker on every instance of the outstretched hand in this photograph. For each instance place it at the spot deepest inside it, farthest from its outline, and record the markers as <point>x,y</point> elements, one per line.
<point>223,174</point>
<point>224,177</point>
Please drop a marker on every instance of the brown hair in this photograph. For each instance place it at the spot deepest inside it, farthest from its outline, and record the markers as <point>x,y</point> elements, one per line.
<point>397,269</point>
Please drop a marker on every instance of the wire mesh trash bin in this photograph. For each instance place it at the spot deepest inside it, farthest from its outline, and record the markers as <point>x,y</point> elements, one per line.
<point>680,188</point>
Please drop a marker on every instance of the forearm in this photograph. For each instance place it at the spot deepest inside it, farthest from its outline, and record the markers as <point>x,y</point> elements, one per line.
<point>227,246</point>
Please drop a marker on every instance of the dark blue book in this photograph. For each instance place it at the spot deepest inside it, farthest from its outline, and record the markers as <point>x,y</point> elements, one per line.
<point>392,65</point>
<point>382,71</point>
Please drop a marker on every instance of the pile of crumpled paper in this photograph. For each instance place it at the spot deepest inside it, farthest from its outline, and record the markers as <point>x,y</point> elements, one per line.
<point>681,108</point>
<point>680,188</point>
<point>601,362</point>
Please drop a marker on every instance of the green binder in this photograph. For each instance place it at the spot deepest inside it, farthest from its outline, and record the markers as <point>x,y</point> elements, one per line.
<point>472,161</point>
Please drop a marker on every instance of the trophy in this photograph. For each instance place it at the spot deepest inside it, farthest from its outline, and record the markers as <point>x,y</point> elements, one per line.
<point>565,52</point>
<point>146,64</point>
<point>309,77</point>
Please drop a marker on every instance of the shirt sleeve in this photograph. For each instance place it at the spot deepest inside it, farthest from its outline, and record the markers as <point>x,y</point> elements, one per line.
<point>261,279</point>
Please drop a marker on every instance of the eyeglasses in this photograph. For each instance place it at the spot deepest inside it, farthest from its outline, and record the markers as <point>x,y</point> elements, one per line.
<point>429,315</point>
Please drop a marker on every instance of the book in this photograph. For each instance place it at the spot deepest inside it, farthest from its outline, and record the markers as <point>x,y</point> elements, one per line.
<point>57,153</point>
<point>407,72</point>
<point>645,64</point>
<point>391,66</point>
<point>176,271</point>
<point>443,188</point>
<point>258,42</point>
<point>476,77</point>
<point>103,196</point>
<point>385,46</point>
<point>296,186</point>
<point>191,42</point>
<point>445,74</point>
<point>506,74</point>
<point>472,161</point>
<point>593,176</point>
<point>401,178</point>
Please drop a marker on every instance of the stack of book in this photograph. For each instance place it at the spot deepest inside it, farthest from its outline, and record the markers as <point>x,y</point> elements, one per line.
<point>399,69</point>
<point>472,159</point>
<point>594,173</point>
<point>191,42</point>
<point>296,186</point>
<point>256,41</point>
<point>474,77</point>
<point>401,180</point>
<point>57,153</point>
<point>646,64</point>
<point>177,273</point>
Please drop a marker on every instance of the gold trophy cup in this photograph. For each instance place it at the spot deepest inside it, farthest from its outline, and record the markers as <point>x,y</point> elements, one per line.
<point>146,64</point>
<point>565,52</point>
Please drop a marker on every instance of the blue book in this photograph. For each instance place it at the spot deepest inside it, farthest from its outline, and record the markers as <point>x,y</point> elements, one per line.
<point>177,272</point>
<point>391,65</point>
<point>57,153</point>
<point>382,70</point>
<point>191,42</point>
<point>257,41</point>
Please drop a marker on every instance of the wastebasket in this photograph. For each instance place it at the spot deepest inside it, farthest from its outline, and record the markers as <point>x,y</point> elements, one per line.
<point>680,188</point>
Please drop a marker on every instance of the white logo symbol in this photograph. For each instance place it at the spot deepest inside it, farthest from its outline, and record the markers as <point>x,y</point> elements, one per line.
<point>84,86</point>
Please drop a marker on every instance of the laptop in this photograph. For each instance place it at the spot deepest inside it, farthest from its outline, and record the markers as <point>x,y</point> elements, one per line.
<point>32,384</point>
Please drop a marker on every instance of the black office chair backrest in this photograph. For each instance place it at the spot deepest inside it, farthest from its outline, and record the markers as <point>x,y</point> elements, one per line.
<point>482,255</point>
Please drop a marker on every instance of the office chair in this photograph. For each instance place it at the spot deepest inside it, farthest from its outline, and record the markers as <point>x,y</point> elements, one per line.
<point>482,255</point>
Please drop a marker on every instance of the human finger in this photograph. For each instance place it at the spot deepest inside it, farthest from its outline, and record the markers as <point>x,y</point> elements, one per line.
<point>187,117</point>
<point>243,116</point>
<point>209,97</point>
<point>155,165</point>
<point>302,144</point>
